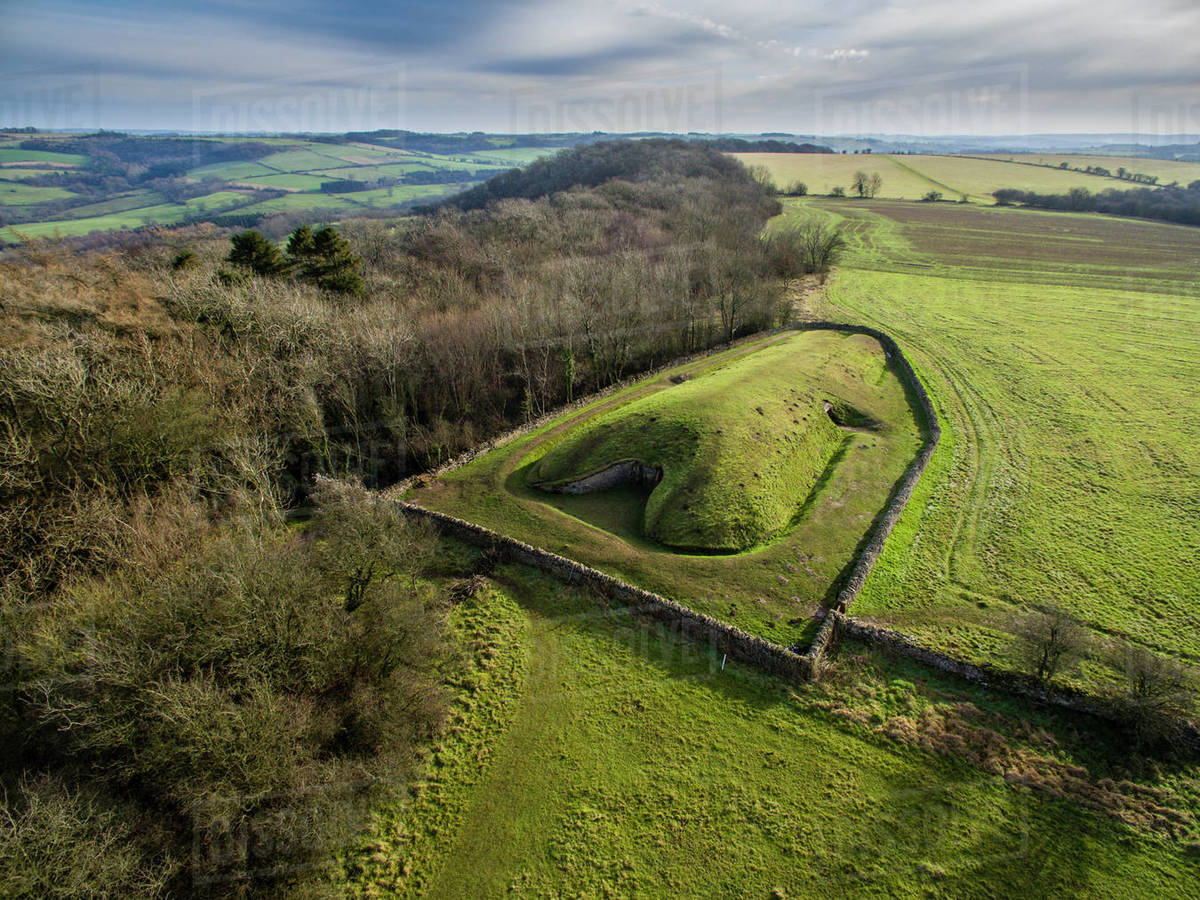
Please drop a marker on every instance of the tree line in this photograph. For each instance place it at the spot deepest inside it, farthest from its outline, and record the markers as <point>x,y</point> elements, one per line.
<point>1169,203</point>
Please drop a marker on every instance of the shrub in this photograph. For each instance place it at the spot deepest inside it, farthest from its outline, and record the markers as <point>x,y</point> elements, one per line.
<point>1158,693</point>
<point>255,252</point>
<point>58,841</point>
<point>239,688</point>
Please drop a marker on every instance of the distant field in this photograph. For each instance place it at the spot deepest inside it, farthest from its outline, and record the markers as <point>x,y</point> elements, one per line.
<point>12,154</point>
<point>1062,351</point>
<point>910,177</point>
<point>125,212</point>
<point>402,193</point>
<point>823,171</point>
<point>232,171</point>
<point>1165,169</point>
<point>772,589</point>
<point>17,193</point>
<point>300,201</point>
<point>590,755</point>
<point>290,181</point>
<point>517,156</point>
<point>162,214</point>
<point>19,173</point>
<point>135,200</point>
<point>300,166</point>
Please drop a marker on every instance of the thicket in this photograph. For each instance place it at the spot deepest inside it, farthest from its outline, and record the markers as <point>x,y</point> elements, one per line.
<point>1170,203</point>
<point>196,692</point>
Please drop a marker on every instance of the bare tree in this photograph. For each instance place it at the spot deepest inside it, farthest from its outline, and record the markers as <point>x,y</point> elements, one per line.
<point>1159,692</point>
<point>822,248</point>
<point>1050,641</point>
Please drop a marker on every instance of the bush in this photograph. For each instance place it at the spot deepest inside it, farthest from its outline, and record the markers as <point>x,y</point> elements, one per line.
<point>932,197</point>
<point>240,688</point>
<point>255,252</point>
<point>58,841</point>
<point>1158,694</point>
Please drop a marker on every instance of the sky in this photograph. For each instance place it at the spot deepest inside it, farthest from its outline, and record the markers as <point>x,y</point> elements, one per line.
<point>846,67</point>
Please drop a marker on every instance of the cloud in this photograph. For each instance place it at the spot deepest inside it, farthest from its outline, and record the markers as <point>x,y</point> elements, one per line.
<point>1059,64</point>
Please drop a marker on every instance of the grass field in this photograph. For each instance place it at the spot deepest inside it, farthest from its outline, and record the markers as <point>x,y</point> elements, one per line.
<point>14,192</point>
<point>772,590</point>
<point>1062,351</point>
<point>232,171</point>
<point>1166,170</point>
<point>291,181</point>
<point>911,177</point>
<point>300,167</point>
<point>160,214</point>
<point>20,173</point>
<point>120,203</point>
<point>588,755</point>
<point>15,154</point>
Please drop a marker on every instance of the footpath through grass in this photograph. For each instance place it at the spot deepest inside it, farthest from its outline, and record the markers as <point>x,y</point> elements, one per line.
<point>590,755</point>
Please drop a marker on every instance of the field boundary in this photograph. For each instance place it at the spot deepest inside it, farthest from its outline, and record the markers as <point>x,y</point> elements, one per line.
<point>901,494</point>
<point>729,639</point>
<point>1185,734</point>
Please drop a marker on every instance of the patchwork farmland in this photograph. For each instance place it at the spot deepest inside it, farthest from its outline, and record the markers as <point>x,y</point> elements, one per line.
<point>288,176</point>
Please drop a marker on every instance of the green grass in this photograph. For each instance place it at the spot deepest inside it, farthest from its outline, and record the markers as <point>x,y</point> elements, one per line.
<point>589,755</point>
<point>300,160</point>
<point>404,193</point>
<point>738,447</point>
<point>161,214</point>
<point>13,154</point>
<point>370,173</point>
<point>301,201</point>
<point>1062,352</point>
<point>290,181</point>
<point>17,194</point>
<point>1167,170</point>
<point>231,171</point>
<point>119,203</point>
<point>513,156</point>
<point>911,177</point>
<point>20,173</point>
<point>220,200</point>
<point>773,589</point>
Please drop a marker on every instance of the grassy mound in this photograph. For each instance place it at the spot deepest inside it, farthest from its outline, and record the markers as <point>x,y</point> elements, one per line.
<point>740,448</point>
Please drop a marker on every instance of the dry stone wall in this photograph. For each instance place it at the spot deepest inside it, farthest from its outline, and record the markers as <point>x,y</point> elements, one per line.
<point>692,625</point>
<point>902,645</point>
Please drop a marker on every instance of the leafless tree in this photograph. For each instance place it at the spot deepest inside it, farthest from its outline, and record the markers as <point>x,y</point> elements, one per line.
<point>1049,641</point>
